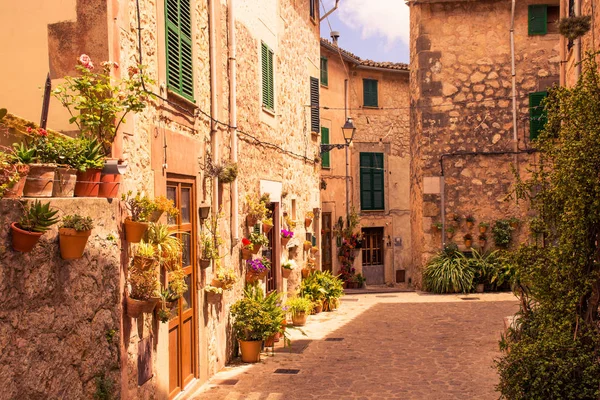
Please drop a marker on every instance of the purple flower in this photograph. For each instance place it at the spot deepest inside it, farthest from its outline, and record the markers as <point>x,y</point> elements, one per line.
<point>256,266</point>
<point>286,234</point>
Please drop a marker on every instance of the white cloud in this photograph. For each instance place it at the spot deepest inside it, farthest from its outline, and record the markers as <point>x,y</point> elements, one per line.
<point>376,18</point>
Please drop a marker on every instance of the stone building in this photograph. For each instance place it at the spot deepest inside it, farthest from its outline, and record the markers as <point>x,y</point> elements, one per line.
<point>233,80</point>
<point>467,134</point>
<point>378,160</point>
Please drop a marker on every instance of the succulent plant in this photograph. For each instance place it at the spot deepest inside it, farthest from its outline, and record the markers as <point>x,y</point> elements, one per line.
<point>38,217</point>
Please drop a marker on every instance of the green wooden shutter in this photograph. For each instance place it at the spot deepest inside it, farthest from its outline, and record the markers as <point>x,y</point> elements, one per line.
<point>324,72</point>
<point>180,76</point>
<point>538,19</point>
<point>370,93</point>
<point>371,181</point>
<point>537,114</point>
<point>325,157</point>
<point>314,105</point>
<point>267,77</point>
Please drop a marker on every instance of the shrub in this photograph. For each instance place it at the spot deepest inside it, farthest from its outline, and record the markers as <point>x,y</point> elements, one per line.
<point>502,233</point>
<point>448,272</point>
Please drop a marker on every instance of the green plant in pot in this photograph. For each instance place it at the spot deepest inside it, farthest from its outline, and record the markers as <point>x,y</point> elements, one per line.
<point>73,235</point>
<point>254,320</point>
<point>483,226</point>
<point>256,208</point>
<point>210,238</point>
<point>168,247</point>
<point>139,208</point>
<point>40,180</point>
<point>448,272</point>
<point>287,267</point>
<point>89,164</point>
<point>470,221</point>
<point>299,307</point>
<point>37,218</point>
<point>312,289</point>
<point>267,225</point>
<point>502,233</point>
<point>144,282</point>
<point>258,240</point>
<point>12,175</point>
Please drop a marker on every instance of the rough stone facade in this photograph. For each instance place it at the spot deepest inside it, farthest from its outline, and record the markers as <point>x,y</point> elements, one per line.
<point>384,129</point>
<point>60,320</point>
<point>461,99</point>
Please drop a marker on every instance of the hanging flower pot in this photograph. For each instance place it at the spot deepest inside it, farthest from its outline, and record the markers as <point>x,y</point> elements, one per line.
<point>155,216</point>
<point>72,243</point>
<point>266,228</point>
<point>134,231</point>
<point>284,242</point>
<point>216,283</point>
<point>307,245</point>
<point>40,180</point>
<point>286,273</point>
<point>307,222</point>
<point>250,350</point>
<point>251,221</point>
<point>64,182</point>
<point>468,243</point>
<point>110,179</point>
<point>23,240</point>
<point>314,250</point>
<point>88,183</point>
<point>135,307</point>
<point>204,263</point>
<point>251,277</point>
<point>256,248</point>
<point>246,254</point>
<point>305,272</point>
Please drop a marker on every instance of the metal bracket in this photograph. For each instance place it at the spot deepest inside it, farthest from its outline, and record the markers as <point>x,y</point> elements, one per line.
<point>326,148</point>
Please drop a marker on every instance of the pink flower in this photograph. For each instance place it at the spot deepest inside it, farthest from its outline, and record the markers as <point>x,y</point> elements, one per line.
<point>42,132</point>
<point>29,130</point>
<point>110,64</point>
<point>86,61</point>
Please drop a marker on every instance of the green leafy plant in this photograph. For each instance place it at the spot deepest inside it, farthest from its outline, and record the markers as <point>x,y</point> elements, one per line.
<point>104,388</point>
<point>470,219</point>
<point>484,224</point>
<point>256,207</point>
<point>38,217</point>
<point>227,277</point>
<point>167,245</point>
<point>312,288</point>
<point>258,239</point>
<point>448,272</point>
<point>575,26</point>
<point>254,316</point>
<point>22,153</point>
<point>299,305</point>
<point>77,222</point>
<point>210,237</point>
<point>177,285</point>
<point>139,207</point>
<point>145,250</point>
<point>502,233</point>
<point>90,155</point>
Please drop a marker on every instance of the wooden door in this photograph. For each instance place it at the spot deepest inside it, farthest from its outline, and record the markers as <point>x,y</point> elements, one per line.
<point>326,244</point>
<point>372,256</point>
<point>182,326</point>
<point>269,251</point>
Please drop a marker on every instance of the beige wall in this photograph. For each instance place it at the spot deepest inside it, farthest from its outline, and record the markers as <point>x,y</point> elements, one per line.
<point>385,130</point>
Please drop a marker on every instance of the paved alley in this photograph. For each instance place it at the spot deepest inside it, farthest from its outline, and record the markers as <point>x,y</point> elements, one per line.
<point>381,346</point>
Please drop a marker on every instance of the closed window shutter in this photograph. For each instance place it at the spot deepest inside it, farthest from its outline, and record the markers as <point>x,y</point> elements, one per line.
<point>325,158</point>
<point>370,92</point>
<point>267,77</point>
<point>314,105</point>
<point>324,72</point>
<point>371,181</point>
<point>537,114</point>
<point>377,173</point>
<point>538,19</point>
<point>180,77</point>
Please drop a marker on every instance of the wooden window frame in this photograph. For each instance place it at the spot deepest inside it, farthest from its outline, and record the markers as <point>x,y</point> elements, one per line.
<point>325,157</point>
<point>179,82</point>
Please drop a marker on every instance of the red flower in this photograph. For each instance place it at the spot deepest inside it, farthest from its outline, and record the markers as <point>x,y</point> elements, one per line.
<point>42,132</point>
<point>245,242</point>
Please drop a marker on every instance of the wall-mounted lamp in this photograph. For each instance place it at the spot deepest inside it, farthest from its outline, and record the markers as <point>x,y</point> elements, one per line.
<point>203,212</point>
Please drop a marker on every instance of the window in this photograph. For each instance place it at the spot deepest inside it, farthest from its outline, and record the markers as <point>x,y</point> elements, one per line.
<point>537,114</point>
<point>313,8</point>
<point>325,159</point>
<point>371,181</point>
<point>370,93</point>
<point>180,77</point>
<point>324,72</point>
<point>268,97</point>
<point>542,19</point>
<point>314,105</point>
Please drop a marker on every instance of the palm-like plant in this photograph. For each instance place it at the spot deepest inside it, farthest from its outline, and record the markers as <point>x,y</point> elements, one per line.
<point>38,217</point>
<point>168,246</point>
<point>449,272</point>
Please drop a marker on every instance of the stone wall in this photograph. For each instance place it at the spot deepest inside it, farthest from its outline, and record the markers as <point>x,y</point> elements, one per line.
<point>60,320</point>
<point>461,97</point>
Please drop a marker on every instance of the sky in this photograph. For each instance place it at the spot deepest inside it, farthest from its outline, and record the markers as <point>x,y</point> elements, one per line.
<point>375,29</point>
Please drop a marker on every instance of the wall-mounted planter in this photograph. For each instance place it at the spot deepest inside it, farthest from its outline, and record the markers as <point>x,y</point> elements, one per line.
<point>40,180</point>
<point>134,231</point>
<point>256,248</point>
<point>110,180</point>
<point>246,254</point>
<point>135,308</point>
<point>251,221</point>
<point>88,183</point>
<point>72,243</point>
<point>286,272</point>
<point>204,263</point>
<point>23,240</point>
<point>16,191</point>
<point>266,228</point>
<point>64,182</point>
<point>285,241</point>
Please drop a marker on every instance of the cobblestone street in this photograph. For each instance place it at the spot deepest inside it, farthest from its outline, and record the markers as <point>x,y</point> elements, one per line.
<point>393,346</point>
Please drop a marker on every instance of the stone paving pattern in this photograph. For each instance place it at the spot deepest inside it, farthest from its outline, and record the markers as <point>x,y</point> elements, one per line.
<point>396,346</point>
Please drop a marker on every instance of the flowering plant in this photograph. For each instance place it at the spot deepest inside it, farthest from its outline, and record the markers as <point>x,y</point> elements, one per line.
<point>288,264</point>
<point>259,239</point>
<point>96,103</point>
<point>256,266</point>
<point>246,244</point>
<point>287,234</point>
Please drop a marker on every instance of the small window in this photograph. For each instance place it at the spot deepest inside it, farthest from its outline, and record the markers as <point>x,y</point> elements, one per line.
<point>371,181</point>
<point>537,114</point>
<point>370,93</point>
<point>268,97</point>
<point>325,157</point>
<point>543,19</point>
<point>324,72</point>
<point>180,77</point>
<point>313,8</point>
<point>314,105</point>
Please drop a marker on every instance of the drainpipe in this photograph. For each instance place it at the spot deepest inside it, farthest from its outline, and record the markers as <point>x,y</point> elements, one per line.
<point>514,76</point>
<point>233,119</point>
<point>577,46</point>
<point>346,147</point>
<point>213,101</point>
<point>328,13</point>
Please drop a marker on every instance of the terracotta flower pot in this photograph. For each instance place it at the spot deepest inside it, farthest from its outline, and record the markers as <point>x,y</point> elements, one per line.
<point>482,229</point>
<point>246,254</point>
<point>469,224</point>
<point>204,263</point>
<point>318,308</point>
<point>40,180</point>
<point>251,277</point>
<point>64,182</point>
<point>250,350</point>
<point>155,216</point>
<point>88,183</point>
<point>284,241</point>
<point>286,272</point>
<point>314,250</point>
<point>266,228</point>
<point>109,185</point>
<point>216,283</point>
<point>256,248</point>
<point>16,190</point>
<point>251,221</point>
<point>270,341</point>
<point>137,307</point>
<point>468,243</point>
<point>305,272</point>
<point>134,231</point>
<point>307,246</point>
<point>299,319</point>
<point>23,240</point>
<point>449,235</point>
<point>72,243</point>
<point>307,222</point>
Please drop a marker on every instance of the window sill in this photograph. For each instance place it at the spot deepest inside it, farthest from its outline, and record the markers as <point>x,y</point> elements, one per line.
<point>182,101</point>
<point>269,111</point>
<point>370,107</point>
<point>324,86</point>
<point>372,211</point>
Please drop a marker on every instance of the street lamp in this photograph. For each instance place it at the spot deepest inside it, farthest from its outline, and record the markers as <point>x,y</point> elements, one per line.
<point>348,130</point>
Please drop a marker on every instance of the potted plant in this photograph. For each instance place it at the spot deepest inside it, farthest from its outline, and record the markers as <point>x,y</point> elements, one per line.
<point>258,240</point>
<point>308,218</point>
<point>12,175</point>
<point>312,289</point>
<point>333,289</point>
<point>256,270</point>
<point>254,320</point>
<point>437,226</point>
<point>309,267</point>
<point>40,178</point>
<point>267,225</point>
<point>144,257</point>
<point>139,207</point>
<point>483,226</point>
<point>168,247</point>
<point>575,26</point>
<point>470,221</point>
<point>468,238</point>
<point>286,236</point>
<point>307,245</point>
<point>286,268</point>
<point>143,281</point>
<point>456,219</point>
<point>73,235</point>
<point>90,162</point>
<point>247,249</point>
<point>502,233</point>
<point>450,231</point>
<point>225,278</point>
<point>482,240</point>
<point>314,250</point>
<point>256,208</point>
<point>299,307</point>
<point>37,218</point>
<point>68,152</point>
<point>360,280</point>
<point>210,238</point>
<point>514,222</point>
<point>162,205</point>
